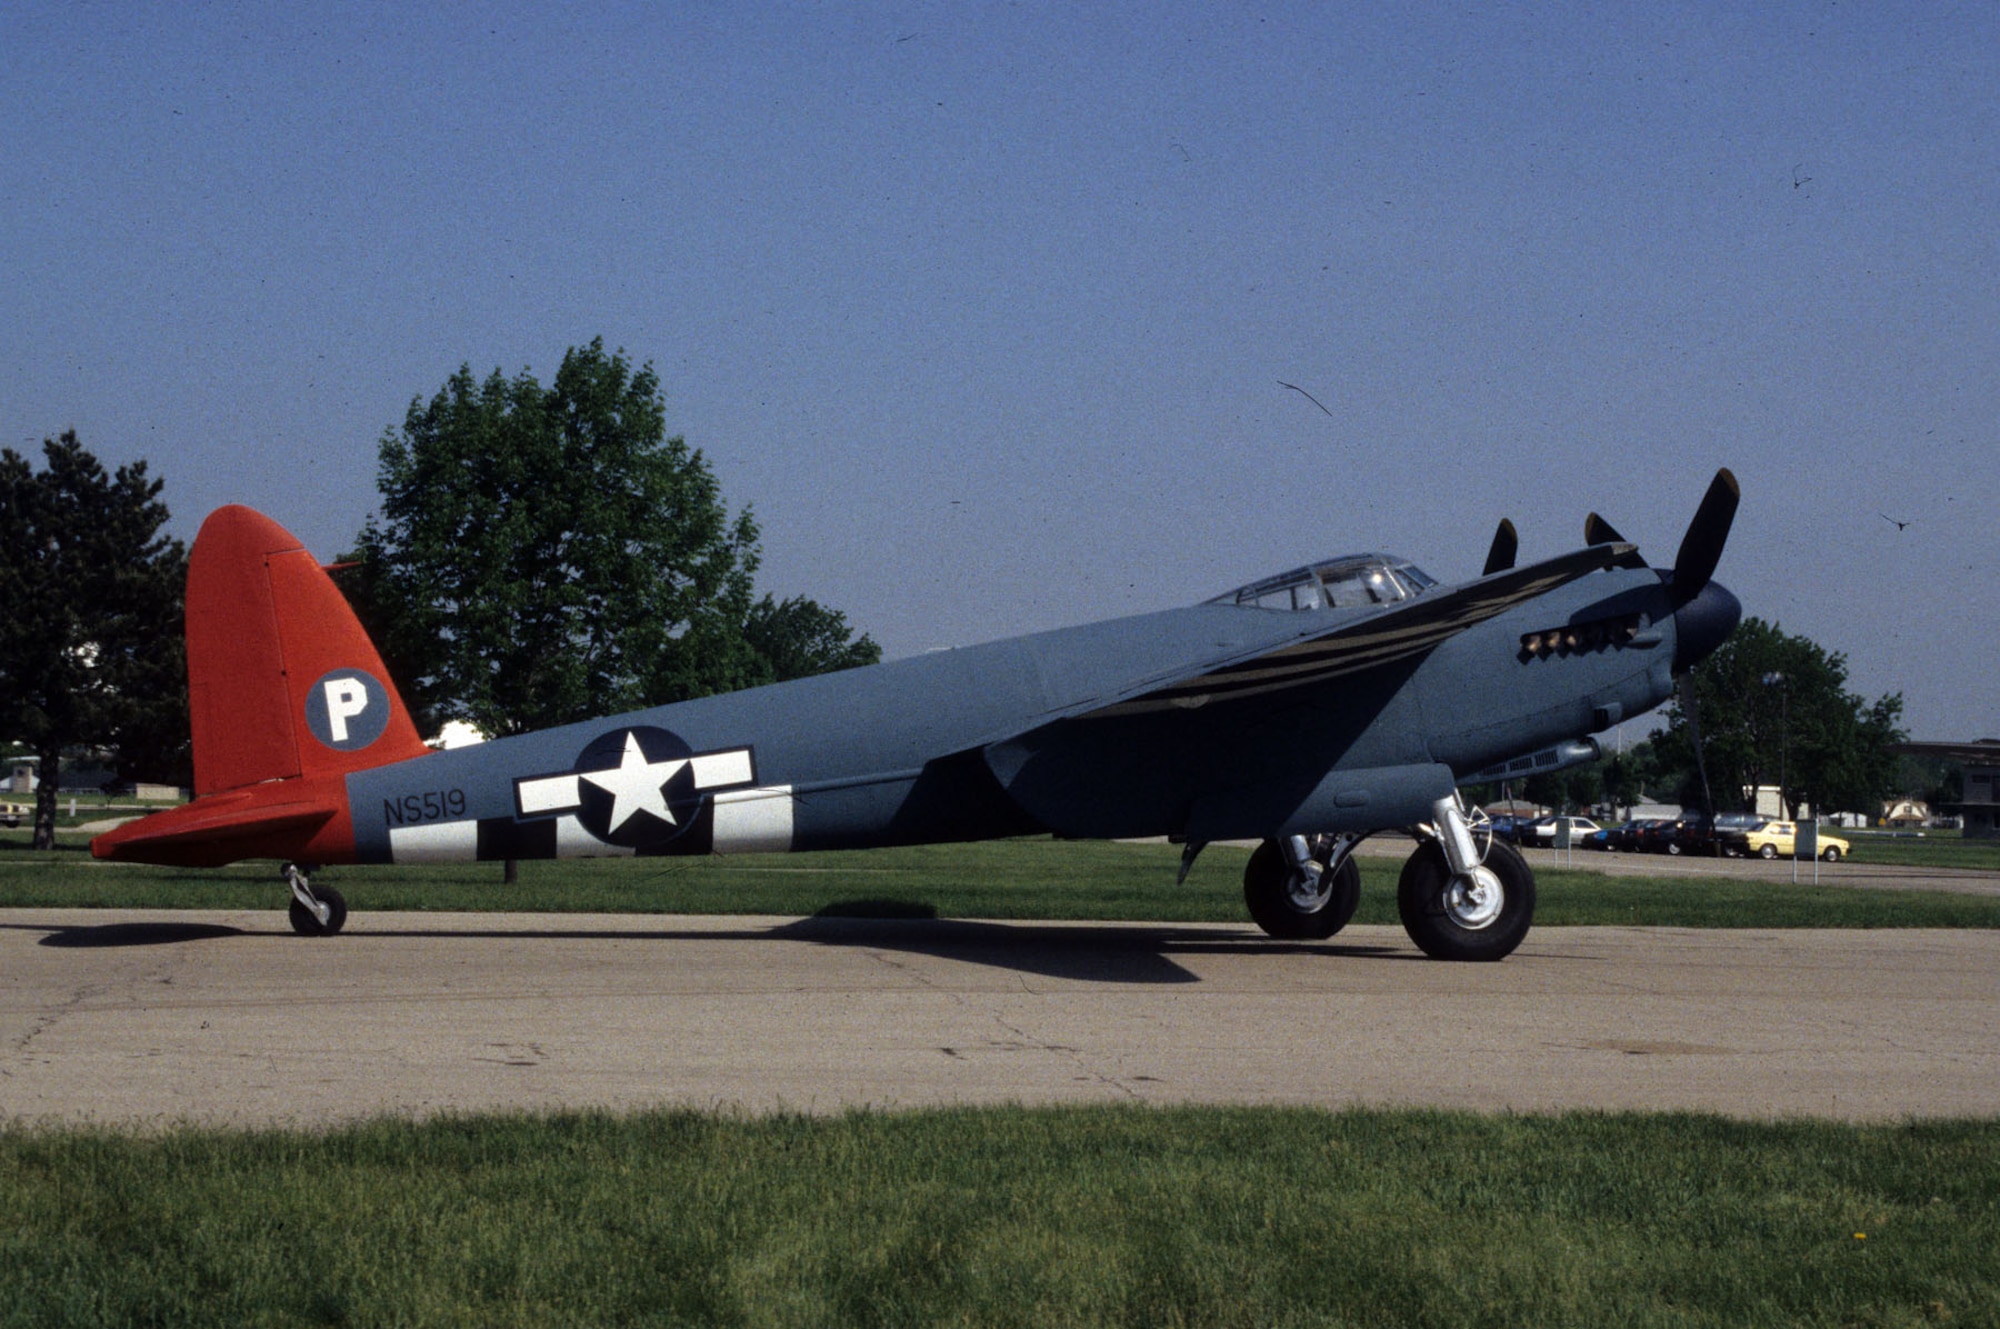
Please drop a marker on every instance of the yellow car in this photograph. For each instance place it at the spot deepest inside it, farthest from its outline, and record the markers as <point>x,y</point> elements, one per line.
<point>1776,839</point>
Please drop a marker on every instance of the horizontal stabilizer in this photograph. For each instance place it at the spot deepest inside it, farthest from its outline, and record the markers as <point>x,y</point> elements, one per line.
<point>210,832</point>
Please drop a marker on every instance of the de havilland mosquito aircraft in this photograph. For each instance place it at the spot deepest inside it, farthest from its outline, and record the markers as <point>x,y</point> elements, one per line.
<point>1303,711</point>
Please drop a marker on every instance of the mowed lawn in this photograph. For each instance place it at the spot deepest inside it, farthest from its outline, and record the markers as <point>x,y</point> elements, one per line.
<point>1008,1216</point>
<point>1026,878</point>
<point>996,1216</point>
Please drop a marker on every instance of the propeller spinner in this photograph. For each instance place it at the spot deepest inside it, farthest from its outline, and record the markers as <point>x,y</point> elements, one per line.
<point>1704,613</point>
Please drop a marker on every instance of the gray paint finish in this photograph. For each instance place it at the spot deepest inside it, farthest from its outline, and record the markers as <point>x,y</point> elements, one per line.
<point>1211,720</point>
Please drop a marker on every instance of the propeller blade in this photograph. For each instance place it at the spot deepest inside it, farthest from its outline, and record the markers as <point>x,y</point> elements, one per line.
<point>1506,543</point>
<point>1701,547</point>
<point>1597,531</point>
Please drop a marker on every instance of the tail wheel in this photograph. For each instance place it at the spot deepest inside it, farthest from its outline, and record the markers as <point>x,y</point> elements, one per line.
<point>1480,917</point>
<point>307,924</point>
<point>1294,906</point>
<point>1767,851</point>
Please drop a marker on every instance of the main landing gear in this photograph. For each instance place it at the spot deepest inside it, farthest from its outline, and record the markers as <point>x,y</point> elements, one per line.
<point>1461,896</point>
<point>1458,903</point>
<point>316,911</point>
<point>1303,890</point>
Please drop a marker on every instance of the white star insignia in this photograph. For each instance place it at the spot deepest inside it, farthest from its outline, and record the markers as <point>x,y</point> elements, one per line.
<point>636,785</point>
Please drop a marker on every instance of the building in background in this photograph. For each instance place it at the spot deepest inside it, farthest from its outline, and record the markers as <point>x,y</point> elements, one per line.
<point>1981,763</point>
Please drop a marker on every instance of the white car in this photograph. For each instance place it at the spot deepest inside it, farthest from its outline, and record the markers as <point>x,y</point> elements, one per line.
<point>1543,832</point>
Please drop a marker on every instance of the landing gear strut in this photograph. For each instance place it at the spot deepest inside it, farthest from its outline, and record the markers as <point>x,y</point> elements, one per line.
<point>1300,889</point>
<point>316,912</point>
<point>1458,903</point>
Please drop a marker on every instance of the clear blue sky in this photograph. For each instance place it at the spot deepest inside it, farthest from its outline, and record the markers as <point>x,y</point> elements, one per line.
<point>984,308</point>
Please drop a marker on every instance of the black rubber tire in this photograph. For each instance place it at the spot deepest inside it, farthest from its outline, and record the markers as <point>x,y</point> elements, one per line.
<point>306,925</point>
<point>1831,853</point>
<point>1767,851</point>
<point>1420,900</point>
<point>1273,909</point>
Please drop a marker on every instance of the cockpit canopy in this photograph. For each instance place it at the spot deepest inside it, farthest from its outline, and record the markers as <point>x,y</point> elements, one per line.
<point>1352,582</point>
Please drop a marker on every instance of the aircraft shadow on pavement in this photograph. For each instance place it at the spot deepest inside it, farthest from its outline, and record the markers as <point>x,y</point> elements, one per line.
<point>1129,953</point>
<point>1125,953</point>
<point>107,935</point>
<point>1137,953</point>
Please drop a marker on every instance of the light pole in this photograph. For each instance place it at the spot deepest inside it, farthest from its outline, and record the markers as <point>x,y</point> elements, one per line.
<point>1778,680</point>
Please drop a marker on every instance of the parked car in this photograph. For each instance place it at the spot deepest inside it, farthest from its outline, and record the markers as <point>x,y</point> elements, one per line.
<point>10,815</point>
<point>1779,839</point>
<point>1624,837</point>
<point>1694,835</point>
<point>1541,832</point>
<point>1649,836</point>
<point>1633,836</point>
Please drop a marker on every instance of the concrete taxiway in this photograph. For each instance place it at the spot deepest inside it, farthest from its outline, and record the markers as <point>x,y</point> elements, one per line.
<point>139,1018</point>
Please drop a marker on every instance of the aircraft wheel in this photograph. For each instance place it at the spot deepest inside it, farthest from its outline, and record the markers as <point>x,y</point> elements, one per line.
<point>1293,910</point>
<point>1767,851</point>
<point>1452,919</point>
<point>306,925</point>
<point>1831,853</point>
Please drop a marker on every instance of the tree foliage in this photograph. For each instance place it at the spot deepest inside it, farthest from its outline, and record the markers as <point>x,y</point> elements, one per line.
<point>796,638</point>
<point>544,555</point>
<point>1938,781</point>
<point>1775,711</point>
<point>1633,776</point>
<point>90,640</point>
<point>1578,788</point>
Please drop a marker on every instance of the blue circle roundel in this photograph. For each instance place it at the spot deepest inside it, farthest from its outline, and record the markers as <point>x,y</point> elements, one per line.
<point>347,709</point>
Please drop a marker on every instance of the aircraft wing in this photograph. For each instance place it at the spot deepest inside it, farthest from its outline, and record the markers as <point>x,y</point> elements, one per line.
<point>1354,644</point>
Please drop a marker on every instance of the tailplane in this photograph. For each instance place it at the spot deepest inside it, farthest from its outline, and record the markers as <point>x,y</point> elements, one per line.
<point>287,695</point>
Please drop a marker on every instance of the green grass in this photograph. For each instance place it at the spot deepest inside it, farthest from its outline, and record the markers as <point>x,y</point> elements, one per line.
<point>1935,849</point>
<point>1229,1216</point>
<point>1031,878</point>
<point>1008,1216</point>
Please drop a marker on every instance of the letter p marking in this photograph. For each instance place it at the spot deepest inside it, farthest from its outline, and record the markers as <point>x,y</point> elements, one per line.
<point>345,699</point>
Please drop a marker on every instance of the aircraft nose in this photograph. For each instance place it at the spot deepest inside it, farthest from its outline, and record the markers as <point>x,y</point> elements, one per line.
<point>1702,623</point>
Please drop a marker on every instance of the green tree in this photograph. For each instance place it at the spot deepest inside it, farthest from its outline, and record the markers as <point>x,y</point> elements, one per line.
<point>544,555</point>
<point>1938,781</point>
<point>796,638</point>
<point>1776,712</point>
<point>1573,790</point>
<point>90,640</point>
<point>1633,776</point>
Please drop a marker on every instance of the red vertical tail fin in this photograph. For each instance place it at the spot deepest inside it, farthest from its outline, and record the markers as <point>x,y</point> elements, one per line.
<point>286,694</point>
<point>282,679</point>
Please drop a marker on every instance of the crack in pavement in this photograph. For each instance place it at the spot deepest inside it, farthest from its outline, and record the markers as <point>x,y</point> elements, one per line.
<point>1022,1038</point>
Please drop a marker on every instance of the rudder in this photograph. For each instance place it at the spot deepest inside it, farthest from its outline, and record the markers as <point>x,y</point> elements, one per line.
<point>282,679</point>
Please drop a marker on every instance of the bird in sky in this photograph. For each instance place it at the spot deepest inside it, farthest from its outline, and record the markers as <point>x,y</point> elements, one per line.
<point>1303,393</point>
